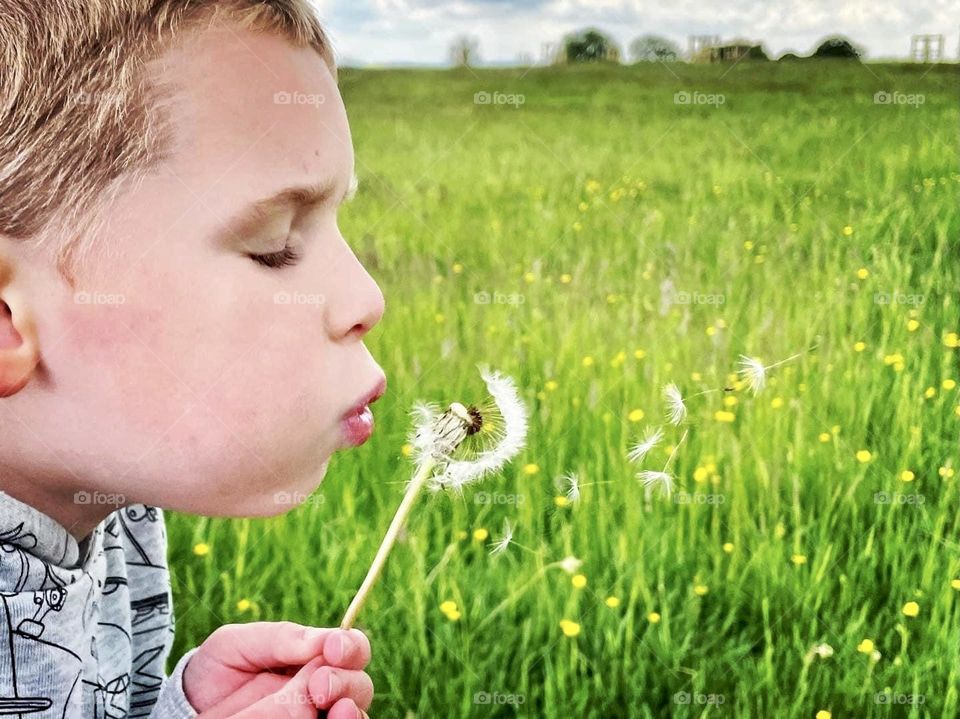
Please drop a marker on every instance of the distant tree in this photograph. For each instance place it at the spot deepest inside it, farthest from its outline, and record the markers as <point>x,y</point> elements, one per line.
<point>590,45</point>
<point>838,47</point>
<point>465,51</point>
<point>654,48</point>
<point>757,53</point>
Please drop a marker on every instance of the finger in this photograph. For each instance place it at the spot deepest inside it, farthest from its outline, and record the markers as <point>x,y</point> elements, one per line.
<point>259,646</point>
<point>262,685</point>
<point>291,702</point>
<point>328,684</point>
<point>346,709</point>
<point>347,649</point>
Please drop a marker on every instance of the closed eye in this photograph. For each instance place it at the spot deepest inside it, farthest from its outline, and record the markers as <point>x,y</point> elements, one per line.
<point>276,260</point>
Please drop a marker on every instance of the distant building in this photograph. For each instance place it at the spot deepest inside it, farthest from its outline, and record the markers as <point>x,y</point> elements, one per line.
<point>709,48</point>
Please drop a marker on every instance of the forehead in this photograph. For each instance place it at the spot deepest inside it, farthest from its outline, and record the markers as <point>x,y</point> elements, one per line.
<point>252,113</point>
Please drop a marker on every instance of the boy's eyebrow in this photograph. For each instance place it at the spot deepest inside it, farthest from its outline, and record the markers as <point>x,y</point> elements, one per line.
<point>292,198</point>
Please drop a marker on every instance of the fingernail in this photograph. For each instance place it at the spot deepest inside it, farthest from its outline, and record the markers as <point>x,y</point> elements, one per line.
<point>341,647</point>
<point>333,687</point>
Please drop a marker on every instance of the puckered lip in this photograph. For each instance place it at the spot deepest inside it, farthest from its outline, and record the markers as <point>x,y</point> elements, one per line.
<point>372,395</point>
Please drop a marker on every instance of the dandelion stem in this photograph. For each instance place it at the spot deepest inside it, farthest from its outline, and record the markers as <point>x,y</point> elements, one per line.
<point>399,520</point>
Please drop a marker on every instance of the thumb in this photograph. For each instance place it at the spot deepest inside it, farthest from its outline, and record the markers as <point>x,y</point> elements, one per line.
<point>291,702</point>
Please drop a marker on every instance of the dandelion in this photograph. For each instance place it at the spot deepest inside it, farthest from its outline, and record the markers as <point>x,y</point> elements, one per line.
<point>654,617</point>
<point>864,456</point>
<point>700,589</point>
<point>451,450</point>
<point>244,605</point>
<point>676,409</point>
<point>569,628</point>
<point>501,545</point>
<point>728,547</point>
<point>480,535</point>
<point>531,469</point>
<point>579,581</point>
<point>907,476</point>
<point>450,610</point>
<point>799,559</point>
<point>912,325</point>
<point>722,415</point>
<point>863,273</point>
<point>612,602</point>
<point>859,346</point>
<point>643,447</point>
<point>201,549</point>
<point>949,384</point>
<point>824,437</point>
<point>955,584</point>
<point>635,415</point>
<point>561,501</point>
<point>824,714</point>
<point>865,646</point>
<point>911,609</point>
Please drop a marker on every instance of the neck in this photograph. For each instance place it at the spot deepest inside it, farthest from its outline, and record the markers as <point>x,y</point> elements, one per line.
<point>79,512</point>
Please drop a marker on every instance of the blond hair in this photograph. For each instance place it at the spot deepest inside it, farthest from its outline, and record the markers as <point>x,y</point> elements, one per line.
<point>80,118</point>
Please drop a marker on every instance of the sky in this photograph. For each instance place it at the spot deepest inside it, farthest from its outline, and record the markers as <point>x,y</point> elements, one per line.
<point>419,32</point>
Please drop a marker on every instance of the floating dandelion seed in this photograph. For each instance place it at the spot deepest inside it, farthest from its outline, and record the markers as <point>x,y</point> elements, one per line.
<point>642,448</point>
<point>452,449</point>
<point>500,546</point>
<point>676,409</point>
<point>572,483</point>
<point>652,478</point>
<point>754,372</point>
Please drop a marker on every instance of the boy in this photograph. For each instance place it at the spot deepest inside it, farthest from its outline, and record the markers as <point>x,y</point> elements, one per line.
<point>181,326</point>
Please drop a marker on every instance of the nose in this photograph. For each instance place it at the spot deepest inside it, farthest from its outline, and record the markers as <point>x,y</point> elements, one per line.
<point>358,305</point>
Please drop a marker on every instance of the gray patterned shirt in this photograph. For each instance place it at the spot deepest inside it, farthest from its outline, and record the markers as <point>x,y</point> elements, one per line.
<point>86,628</point>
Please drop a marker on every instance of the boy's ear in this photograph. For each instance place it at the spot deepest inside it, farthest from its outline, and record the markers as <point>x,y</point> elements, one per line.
<point>19,348</point>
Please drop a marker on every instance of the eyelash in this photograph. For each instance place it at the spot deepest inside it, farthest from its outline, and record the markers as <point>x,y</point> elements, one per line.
<point>277,260</point>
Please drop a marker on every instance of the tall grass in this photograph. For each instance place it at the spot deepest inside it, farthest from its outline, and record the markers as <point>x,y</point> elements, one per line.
<point>554,240</point>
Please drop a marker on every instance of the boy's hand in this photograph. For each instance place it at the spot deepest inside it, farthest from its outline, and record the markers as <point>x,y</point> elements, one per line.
<point>279,669</point>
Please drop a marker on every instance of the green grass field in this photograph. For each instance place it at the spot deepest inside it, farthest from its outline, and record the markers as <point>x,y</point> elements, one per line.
<point>596,242</point>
